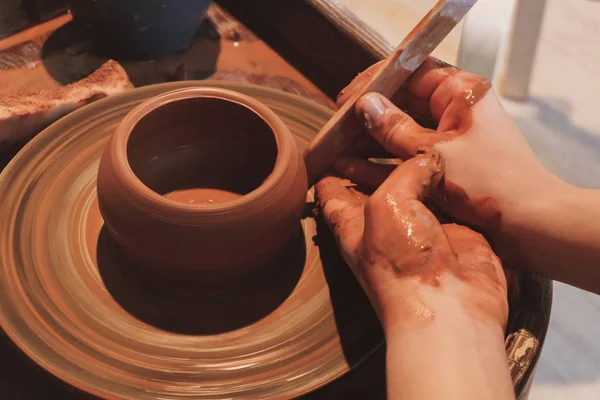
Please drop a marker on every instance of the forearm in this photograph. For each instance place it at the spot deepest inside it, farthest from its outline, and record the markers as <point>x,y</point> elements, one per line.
<point>558,235</point>
<point>452,356</point>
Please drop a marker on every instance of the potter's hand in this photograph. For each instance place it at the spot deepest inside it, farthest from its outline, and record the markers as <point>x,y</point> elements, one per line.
<point>439,291</point>
<point>407,262</point>
<point>492,179</point>
<point>484,151</point>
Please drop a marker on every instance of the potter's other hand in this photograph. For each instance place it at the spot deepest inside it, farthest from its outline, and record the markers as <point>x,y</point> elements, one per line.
<point>493,180</point>
<point>407,262</point>
<point>483,149</point>
<point>439,291</point>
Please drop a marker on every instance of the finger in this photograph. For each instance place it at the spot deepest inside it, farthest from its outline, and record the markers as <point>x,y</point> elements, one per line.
<point>426,79</point>
<point>417,107</point>
<point>429,90</point>
<point>341,190</point>
<point>474,253</point>
<point>421,84</point>
<point>441,84</point>
<point>459,91</point>
<point>395,130</point>
<point>398,224</point>
<point>363,172</point>
<point>342,210</point>
<point>413,178</point>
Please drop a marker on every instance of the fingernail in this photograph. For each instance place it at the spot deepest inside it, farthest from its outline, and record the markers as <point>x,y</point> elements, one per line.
<point>374,107</point>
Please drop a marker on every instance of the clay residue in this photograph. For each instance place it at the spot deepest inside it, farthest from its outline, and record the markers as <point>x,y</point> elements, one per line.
<point>393,239</point>
<point>203,196</point>
<point>483,212</point>
<point>341,189</point>
<point>23,115</point>
<point>108,79</point>
<point>457,114</point>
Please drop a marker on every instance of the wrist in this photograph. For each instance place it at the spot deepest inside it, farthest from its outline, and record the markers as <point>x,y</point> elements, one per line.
<point>530,217</point>
<point>555,236</point>
<point>537,196</point>
<point>453,324</point>
<point>453,305</point>
<point>464,356</point>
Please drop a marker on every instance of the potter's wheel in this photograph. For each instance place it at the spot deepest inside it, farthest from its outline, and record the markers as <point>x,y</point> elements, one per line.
<point>68,300</point>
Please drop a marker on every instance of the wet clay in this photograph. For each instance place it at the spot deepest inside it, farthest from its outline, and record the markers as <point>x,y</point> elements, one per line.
<point>481,211</point>
<point>202,186</point>
<point>202,196</point>
<point>397,211</point>
<point>481,268</point>
<point>455,109</point>
<point>399,234</point>
<point>399,240</point>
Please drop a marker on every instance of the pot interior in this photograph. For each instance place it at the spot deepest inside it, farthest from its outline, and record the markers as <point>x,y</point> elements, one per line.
<point>202,150</point>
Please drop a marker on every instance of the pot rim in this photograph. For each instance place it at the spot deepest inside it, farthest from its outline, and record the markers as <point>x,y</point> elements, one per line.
<point>143,193</point>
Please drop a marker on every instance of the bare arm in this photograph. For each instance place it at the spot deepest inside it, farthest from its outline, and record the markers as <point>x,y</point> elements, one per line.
<point>454,357</point>
<point>439,290</point>
<point>557,235</point>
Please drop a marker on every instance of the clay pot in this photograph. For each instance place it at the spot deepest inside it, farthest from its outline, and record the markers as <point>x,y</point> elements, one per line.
<point>202,185</point>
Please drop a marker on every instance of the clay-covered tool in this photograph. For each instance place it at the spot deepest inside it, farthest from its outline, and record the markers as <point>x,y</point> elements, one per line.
<point>339,132</point>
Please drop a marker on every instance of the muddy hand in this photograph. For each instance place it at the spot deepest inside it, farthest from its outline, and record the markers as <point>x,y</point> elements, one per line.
<point>484,151</point>
<point>404,259</point>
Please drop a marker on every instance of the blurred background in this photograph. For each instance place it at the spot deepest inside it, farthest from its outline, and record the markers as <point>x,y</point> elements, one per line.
<point>559,113</point>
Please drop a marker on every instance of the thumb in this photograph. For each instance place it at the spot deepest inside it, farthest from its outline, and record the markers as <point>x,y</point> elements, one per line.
<point>394,129</point>
<point>343,211</point>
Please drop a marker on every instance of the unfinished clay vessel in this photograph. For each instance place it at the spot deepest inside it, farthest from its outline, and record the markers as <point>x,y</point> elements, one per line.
<point>202,185</point>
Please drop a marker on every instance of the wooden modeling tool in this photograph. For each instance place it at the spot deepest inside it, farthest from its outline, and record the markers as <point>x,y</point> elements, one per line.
<point>344,127</point>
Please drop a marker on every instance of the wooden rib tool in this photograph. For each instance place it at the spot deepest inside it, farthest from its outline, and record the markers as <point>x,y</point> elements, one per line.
<point>343,127</point>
